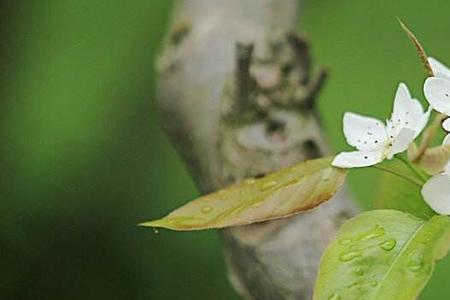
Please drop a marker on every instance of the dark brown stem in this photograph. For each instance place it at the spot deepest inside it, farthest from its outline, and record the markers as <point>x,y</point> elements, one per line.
<point>244,81</point>
<point>301,54</point>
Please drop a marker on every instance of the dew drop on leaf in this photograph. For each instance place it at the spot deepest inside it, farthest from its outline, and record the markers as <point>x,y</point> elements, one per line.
<point>355,285</point>
<point>376,231</point>
<point>206,209</point>
<point>373,283</point>
<point>388,245</point>
<point>415,261</point>
<point>359,271</point>
<point>258,203</point>
<point>335,296</point>
<point>345,242</point>
<point>414,265</point>
<point>268,185</point>
<point>348,256</point>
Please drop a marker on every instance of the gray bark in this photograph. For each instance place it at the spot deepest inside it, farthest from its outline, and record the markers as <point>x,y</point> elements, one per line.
<point>237,100</point>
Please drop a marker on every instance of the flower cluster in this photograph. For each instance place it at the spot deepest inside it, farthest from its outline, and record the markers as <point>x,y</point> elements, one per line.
<point>376,141</point>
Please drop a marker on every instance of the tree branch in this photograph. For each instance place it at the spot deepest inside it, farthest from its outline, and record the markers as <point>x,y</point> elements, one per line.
<point>237,100</point>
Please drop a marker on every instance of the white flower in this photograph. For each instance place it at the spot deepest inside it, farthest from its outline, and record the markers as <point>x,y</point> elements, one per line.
<point>446,126</point>
<point>376,141</point>
<point>436,192</point>
<point>439,69</point>
<point>437,91</point>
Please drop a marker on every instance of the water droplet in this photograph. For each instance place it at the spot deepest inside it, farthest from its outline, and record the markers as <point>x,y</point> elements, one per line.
<point>348,256</point>
<point>155,230</point>
<point>268,184</point>
<point>373,283</point>
<point>249,181</point>
<point>345,242</point>
<point>375,232</point>
<point>335,296</point>
<point>256,204</point>
<point>206,209</point>
<point>416,261</point>
<point>414,266</point>
<point>359,271</point>
<point>355,285</point>
<point>388,245</point>
<point>293,181</point>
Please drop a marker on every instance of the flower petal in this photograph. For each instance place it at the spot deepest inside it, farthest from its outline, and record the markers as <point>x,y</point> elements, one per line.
<point>446,124</point>
<point>401,141</point>
<point>447,169</point>
<point>357,159</point>
<point>401,101</point>
<point>437,92</point>
<point>407,112</point>
<point>439,69</point>
<point>436,193</point>
<point>422,123</point>
<point>364,133</point>
<point>446,140</point>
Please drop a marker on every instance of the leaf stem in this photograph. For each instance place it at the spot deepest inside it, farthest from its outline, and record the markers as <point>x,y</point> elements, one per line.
<point>412,168</point>
<point>403,176</point>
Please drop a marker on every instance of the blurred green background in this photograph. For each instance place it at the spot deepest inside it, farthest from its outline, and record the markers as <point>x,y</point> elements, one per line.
<point>83,159</point>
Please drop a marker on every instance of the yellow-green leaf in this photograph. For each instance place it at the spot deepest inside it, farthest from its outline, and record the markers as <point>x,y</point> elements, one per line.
<point>382,255</point>
<point>281,194</point>
<point>434,159</point>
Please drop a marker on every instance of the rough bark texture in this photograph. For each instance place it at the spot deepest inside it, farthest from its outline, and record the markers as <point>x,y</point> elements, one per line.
<point>237,100</point>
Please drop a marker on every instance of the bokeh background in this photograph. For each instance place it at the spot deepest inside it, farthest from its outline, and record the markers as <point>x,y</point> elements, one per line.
<point>82,159</point>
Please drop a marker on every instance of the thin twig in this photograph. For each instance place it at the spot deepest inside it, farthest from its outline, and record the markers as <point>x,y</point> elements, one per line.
<point>412,168</point>
<point>403,176</point>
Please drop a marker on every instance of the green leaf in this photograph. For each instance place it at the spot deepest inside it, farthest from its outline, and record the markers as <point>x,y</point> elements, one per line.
<point>281,194</point>
<point>382,254</point>
<point>434,159</point>
<point>397,193</point>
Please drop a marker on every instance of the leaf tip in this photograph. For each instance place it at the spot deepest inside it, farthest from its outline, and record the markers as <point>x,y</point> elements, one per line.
<point>155,223</point>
